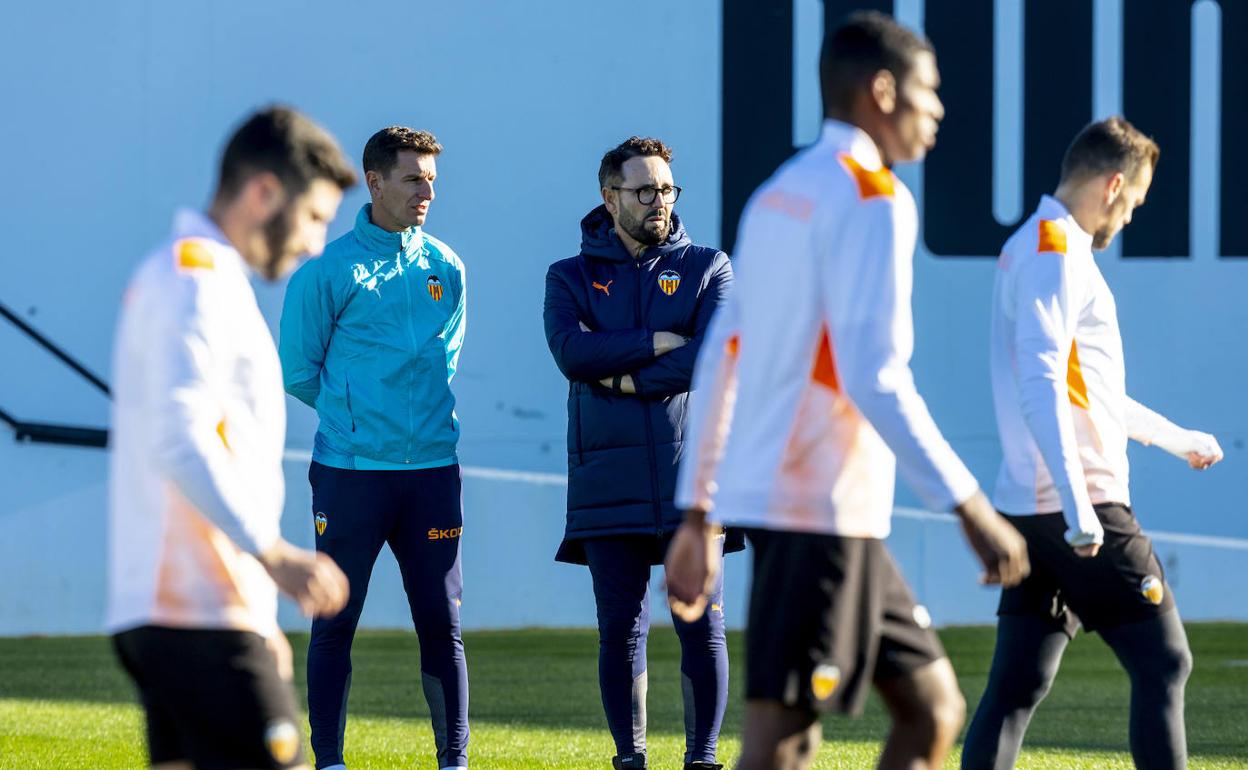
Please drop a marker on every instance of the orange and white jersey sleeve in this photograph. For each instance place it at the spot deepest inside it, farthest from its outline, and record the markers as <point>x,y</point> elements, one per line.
<point>711,407</point>
<point>1059,382</point>
<point>866,278</point>
<point>196,484</point>
<point>809,397</point>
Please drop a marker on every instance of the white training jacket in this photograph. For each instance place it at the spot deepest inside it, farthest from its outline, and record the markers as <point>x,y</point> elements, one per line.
<point>803,402</point>
<point>198,429</point>
<point>1059,379</point>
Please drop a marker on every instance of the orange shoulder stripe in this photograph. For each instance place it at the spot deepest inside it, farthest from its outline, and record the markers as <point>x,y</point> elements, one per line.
<point>871,184</point>
<point>1052,237</point>
<point>192,254</point>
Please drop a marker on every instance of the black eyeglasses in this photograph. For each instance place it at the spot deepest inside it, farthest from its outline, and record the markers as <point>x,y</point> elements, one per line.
<point>646,195</point>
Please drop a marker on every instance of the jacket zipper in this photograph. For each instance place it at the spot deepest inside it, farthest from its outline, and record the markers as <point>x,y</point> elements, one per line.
<point>411,371</point>
<point>645,408</point>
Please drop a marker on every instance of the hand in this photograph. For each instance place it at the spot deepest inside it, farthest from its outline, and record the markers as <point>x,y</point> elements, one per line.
<point>280,647</point>
<point>666,342</point>
<point>1203,451</point>
<point>626,384</point>
<point>1000,548</point>
<point>691,566</point>
<point>1086,544</point>
<point>312,579</point>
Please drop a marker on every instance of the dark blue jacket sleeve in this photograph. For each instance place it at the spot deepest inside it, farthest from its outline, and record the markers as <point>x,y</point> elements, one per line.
<point>588,356</point>
<point>672,373</point>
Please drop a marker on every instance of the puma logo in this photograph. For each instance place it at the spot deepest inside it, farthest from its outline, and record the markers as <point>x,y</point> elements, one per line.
<point>605,289</point>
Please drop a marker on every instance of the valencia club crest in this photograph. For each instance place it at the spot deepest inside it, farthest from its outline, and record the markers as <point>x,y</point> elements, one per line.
<point>669,282</point>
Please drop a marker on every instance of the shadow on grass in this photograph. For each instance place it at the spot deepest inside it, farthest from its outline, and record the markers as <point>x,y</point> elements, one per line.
<point>548,679</point>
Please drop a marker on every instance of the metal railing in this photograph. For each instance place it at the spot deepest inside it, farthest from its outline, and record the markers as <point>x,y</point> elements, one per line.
<point>54,433</point>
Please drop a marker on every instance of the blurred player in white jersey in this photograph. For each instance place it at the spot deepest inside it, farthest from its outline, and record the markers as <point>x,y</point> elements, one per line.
<point>196,482</point>
<point>803,408</point>
<point>1064,416</point>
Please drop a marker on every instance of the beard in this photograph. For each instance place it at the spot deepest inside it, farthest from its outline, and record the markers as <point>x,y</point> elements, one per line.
<point>277,238</point>
<point>1117,217</point>
<point>648,233</point>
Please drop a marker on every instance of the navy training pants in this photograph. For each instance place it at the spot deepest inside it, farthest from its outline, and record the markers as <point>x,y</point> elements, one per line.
<point>620,567</point>
<point>419,513</point>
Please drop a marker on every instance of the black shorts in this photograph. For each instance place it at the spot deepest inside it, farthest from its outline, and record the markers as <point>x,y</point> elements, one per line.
<point>828,616</point>
<point>1123,583</point>
<point>213,698</point>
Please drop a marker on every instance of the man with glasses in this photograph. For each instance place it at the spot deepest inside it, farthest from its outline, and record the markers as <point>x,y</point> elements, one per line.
<point>624,320</point>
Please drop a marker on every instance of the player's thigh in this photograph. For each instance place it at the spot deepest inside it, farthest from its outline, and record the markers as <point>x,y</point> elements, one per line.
<point>137,653</point>
<point>619,567</point>
<point>1124,582</point>
<point>234,709</point>
<point>906,640</point>
<point>809,635</point>
<point>429,525</point>
<point>1040,595</point>
<point>350,517</point>
<point>264,728</point>
<point>928,693</point>
<point>774,735</point>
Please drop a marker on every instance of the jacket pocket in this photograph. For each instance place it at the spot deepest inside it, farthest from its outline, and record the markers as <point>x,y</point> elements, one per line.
<point>350,415</point>
<point>575,426</point>
<point>431,405</point>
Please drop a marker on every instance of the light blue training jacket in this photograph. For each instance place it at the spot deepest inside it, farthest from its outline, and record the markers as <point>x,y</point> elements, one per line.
<point>370,337</point>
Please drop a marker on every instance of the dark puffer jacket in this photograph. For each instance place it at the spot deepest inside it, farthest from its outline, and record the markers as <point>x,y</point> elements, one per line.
<point>623,449</point>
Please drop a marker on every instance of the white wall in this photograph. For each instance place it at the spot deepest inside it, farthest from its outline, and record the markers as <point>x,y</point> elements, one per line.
<point>113,114</point>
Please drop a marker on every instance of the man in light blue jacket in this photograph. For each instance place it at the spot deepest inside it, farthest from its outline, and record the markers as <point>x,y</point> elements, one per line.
<point>370,337</point>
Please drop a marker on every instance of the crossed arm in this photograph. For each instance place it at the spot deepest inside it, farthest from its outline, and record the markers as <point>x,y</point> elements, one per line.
<point>664,342</point>
<point>630,361</point>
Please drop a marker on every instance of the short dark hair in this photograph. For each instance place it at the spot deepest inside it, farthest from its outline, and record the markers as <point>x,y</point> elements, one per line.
<point>867,42</point>
<point>1106,146</point>
<point>609,171</point>
<point>381,153</point>
<point>286,143</point>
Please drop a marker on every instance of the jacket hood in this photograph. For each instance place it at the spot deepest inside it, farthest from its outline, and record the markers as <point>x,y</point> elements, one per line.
<point>598,238</point>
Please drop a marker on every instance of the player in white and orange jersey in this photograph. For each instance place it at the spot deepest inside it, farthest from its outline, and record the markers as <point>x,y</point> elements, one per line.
<point>1064,417</point>
<point>196,482</point>
<point>803,407</point>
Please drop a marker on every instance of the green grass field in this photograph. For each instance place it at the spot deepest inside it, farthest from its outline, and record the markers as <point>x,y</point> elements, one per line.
<point>64,703</point>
